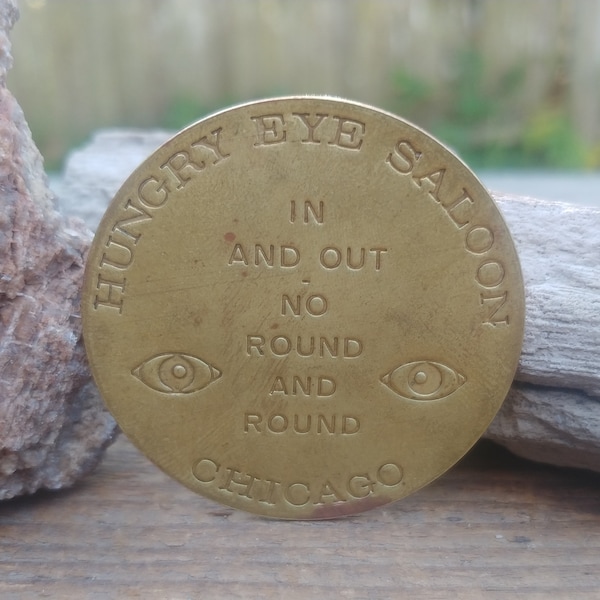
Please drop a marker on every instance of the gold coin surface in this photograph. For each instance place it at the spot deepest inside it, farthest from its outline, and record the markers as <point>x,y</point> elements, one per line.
<point>303,308</point>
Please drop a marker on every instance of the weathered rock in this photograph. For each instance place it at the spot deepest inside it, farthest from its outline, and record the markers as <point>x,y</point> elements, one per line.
<point>553,411</point>
<point>53,426</point>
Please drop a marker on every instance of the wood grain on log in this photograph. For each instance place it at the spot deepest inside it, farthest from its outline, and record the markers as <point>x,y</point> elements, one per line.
<point>552,413</point>
<point>557,419</point>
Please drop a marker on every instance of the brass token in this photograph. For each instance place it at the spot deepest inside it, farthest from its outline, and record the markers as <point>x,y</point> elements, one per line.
<point>303,308</point>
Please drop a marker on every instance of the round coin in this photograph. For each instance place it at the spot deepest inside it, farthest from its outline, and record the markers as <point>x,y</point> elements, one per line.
<point>303,307</point>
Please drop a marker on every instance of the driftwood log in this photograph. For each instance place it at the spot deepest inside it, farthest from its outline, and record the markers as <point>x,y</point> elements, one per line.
<point>552,413</point>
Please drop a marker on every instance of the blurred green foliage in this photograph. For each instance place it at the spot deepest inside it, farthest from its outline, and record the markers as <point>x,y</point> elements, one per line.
<point>187,109</point>
<point>479,120</point>
<point>550,140</point>
<point>182,111</point>
<point>480,123</point>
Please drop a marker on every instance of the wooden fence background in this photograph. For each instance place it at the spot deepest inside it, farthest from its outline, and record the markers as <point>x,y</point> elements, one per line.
<point>85,64</point>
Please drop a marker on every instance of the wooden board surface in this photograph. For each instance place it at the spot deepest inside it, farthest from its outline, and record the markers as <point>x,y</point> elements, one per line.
<point>493,527</point>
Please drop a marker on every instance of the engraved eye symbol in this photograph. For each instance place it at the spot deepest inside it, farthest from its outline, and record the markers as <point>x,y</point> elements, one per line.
<point>176,373</point>
<point>423,380</point>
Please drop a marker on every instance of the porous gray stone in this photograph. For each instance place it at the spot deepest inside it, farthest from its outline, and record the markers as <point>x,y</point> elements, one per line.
<point>53,425</point>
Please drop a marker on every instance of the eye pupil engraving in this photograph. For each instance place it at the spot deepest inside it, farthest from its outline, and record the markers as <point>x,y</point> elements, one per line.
<point>421,377</point>
<point>179,371</point>
<point>176,373</point>
<point>423,380</point>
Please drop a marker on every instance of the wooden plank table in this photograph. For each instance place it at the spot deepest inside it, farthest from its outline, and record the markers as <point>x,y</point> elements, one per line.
<point>493,527</point>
